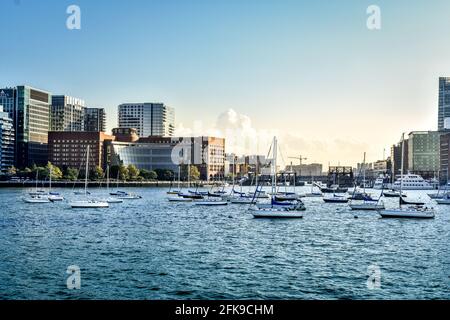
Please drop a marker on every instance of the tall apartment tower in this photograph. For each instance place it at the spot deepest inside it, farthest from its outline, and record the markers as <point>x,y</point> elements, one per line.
<point>67,113</point>
<point>95,120</point>
<point>6,141</point>
<point>149,119</point>
<point>444,104</point>
<point>30,110</point>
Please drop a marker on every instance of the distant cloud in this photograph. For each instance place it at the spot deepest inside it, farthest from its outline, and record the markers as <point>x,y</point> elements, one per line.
<point>243,138</point>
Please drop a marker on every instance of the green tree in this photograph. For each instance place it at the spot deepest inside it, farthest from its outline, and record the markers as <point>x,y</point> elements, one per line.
<point>148,175</point>
<point>56,172</point>
<point>133,172</point>
<point>195,174</point>
<point>71,174</point>
<point>164,174</point>
<point>96,174</point>
<point>123,172</point>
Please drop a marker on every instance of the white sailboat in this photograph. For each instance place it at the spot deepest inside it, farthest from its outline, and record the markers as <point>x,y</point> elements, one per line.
<point>38,196</point>
<point>276,209</point>
<point>313,194</point>
<point>53,196</point>
<point>179,182</point>
<point>368,203</point>
<point>88,203</point>
<point>111,199</point>
<point>410,211</point>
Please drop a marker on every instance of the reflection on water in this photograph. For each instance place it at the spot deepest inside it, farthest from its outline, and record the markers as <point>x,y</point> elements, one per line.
<point>153,249</point>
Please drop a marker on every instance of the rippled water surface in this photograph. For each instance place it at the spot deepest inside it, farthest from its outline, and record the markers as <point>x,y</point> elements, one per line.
<point>153,249</point>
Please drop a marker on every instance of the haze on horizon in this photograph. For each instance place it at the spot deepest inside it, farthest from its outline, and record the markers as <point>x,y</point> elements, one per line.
<point>309,72</point>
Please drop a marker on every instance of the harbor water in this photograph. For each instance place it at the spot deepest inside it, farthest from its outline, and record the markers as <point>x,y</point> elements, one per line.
<point>154,249</point>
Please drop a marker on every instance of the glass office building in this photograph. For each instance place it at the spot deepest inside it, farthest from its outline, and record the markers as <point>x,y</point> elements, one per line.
<point>95,120</point>
<point>6,141</point>
<point>444,103</point>
<point>423,153</point>
<point>67,113</point>
<point>149,119</point>
<point>32,123</point>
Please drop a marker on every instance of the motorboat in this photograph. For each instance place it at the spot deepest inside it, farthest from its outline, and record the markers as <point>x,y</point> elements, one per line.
<point>129,196</point>
<point>411,202</point>
<point>392,194</point>
<point>54,197</point>
<point>179,199</point>
<point>375,205</point>
<point>114,200</point>
<point>411,182</point>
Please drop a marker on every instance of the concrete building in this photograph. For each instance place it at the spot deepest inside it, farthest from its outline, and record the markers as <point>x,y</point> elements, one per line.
<point>382,167</point>
<point>6,141</point>
<point>149,119</point>
<point>150,153</point>
<point>95,120</point>
<point>423,153</point>
<point>67,113</point>
<point>68,149</point>
<point>308,170</point>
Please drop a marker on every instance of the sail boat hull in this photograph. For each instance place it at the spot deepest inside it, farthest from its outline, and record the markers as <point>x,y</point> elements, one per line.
<point>366,206</point>
<point>406,213</point>
<point>89,204</point>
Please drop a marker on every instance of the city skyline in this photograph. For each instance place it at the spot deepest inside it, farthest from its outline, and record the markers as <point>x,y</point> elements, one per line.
<point>334,80</point>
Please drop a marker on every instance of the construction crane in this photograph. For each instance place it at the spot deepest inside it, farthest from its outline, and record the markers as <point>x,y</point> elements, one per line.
<point>300,158</point>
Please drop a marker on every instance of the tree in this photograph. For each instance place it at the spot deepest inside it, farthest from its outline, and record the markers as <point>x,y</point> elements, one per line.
<point>71,174</point>
<point>56,172</point>
<point>164,174</point>
<point>12,171</point>
<point>148,175</point>
<point>96,174</point>
<point>195,174</point>
<point>123,172</point>
<point>133,172</point>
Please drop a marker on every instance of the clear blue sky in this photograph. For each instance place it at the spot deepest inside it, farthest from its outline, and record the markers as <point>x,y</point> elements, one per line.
<point>310,70</point>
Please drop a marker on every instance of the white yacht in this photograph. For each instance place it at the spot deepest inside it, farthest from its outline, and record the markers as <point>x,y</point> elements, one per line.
<point>411,182</point>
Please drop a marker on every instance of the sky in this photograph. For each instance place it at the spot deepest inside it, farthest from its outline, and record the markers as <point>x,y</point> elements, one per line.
<point>309,72</point>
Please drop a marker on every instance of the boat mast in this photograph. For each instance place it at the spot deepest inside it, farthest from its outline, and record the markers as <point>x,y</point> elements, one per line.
<point>50,183</point>
<point>274,177</point>
<point>364,174</point>
<point>401,170</point>
<point>179,173</point>
<point>107,177</point>
<point>86,171</point>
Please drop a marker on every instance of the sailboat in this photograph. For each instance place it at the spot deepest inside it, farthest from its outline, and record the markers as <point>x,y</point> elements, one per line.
<point>179,181</point>
<point>111,199</point>
<point>410,211</point>
<point>368,202</point>
<point>88,203</point>
<point>313,193</point>
<point>38,196</point>
<point>276,209</point>
<point>53,196</point>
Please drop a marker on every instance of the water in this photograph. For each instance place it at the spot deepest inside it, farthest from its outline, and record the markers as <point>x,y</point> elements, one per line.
<point>153,249</point>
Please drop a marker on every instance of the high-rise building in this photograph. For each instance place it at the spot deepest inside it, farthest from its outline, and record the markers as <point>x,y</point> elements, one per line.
<point>444,104</point>
<point>31,123</point>
<point>149,119</point>
<point>67,113</point>
<point>95,120</point>
<point>396,158</point>
<point>6,141</point>
<point>8,100</point>
<point>423,153</point>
